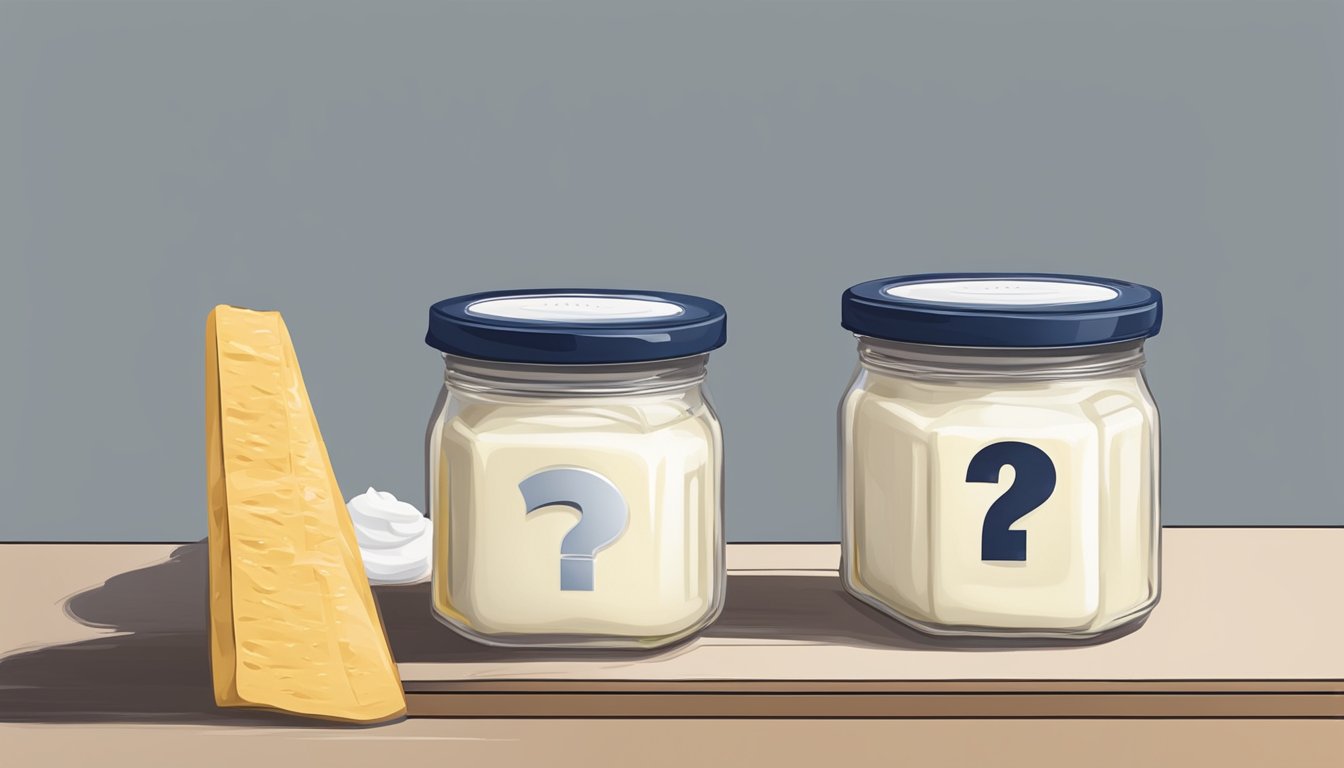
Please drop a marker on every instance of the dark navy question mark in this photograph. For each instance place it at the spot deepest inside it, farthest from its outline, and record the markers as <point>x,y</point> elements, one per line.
<point>1033,483</point>
<point>602,517</point>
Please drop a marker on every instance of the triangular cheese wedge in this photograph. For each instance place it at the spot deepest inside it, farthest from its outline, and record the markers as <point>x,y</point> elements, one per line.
<point>293,624</point>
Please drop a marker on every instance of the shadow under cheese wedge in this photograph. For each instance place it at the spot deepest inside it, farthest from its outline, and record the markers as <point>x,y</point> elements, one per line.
<point>293,624</point>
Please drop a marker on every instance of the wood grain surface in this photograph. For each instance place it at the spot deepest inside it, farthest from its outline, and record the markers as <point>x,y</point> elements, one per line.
<point>1226,641</point>
<point>116,633</point>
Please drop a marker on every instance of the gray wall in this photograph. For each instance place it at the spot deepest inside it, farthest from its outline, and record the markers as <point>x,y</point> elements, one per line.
<point>349,164</point>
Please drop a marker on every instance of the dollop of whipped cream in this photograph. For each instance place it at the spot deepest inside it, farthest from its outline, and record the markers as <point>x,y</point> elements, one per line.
<point>395,540</point>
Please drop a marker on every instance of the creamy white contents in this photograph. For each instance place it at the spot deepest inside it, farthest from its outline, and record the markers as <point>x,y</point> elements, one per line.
<point>499,570</point>
<point>395,540</point>
<point>915,524</point>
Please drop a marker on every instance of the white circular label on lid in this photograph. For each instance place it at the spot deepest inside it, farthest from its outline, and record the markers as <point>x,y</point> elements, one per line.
<point>1004,292</point>
<point>574,308</point>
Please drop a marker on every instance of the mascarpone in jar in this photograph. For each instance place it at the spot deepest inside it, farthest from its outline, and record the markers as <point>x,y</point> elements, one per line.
<point>576,468</point>
<point>1000,453</point>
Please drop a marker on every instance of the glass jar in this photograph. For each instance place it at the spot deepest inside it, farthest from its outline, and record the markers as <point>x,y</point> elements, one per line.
<point>999,453</point>
<point>576,468</point>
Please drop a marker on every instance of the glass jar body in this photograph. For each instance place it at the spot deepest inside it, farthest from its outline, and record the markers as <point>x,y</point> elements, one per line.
<point>1001,492</point>
<point>576,505</point>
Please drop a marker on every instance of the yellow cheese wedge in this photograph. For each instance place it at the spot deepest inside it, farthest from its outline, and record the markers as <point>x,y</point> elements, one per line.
<point>293,624</point>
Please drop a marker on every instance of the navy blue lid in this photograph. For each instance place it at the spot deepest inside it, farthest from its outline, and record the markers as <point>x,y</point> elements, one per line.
<point>576,326</point>
<point>1002,309</point>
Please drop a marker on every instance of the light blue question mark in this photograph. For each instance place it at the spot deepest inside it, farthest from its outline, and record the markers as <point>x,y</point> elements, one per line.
<point>603,514</point>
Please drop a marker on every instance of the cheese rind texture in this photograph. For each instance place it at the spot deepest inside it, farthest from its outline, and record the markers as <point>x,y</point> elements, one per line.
<point>293,623</point>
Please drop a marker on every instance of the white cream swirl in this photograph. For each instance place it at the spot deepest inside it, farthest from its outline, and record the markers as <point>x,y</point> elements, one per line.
<point>395,540</point>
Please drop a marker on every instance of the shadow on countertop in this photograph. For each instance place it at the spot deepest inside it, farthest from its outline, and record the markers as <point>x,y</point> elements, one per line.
<point>767,608</point>
<point>156,667</point>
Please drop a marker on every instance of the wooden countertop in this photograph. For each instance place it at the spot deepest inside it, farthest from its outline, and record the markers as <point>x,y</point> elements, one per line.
<point>1250,626</point>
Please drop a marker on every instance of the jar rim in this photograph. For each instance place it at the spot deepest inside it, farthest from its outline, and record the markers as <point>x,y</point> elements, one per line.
<point>574,380</point>
<point>955,363</point>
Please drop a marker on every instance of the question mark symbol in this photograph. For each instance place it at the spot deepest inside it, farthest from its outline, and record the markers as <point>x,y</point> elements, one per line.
<point>602,517</point>
<point>1033,483</point>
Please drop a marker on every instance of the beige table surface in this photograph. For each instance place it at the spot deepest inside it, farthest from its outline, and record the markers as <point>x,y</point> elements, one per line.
<point>102,657</point>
